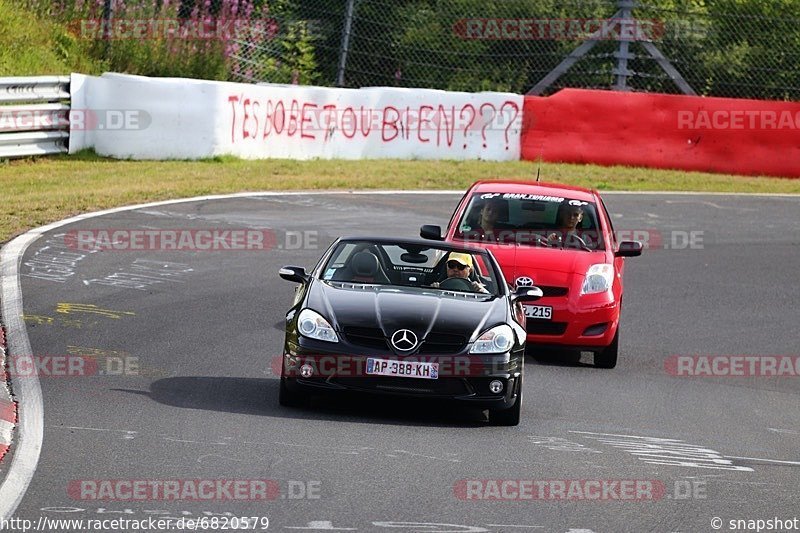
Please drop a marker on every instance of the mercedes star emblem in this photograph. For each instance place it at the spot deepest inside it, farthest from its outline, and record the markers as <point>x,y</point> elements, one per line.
<point>404,340</point>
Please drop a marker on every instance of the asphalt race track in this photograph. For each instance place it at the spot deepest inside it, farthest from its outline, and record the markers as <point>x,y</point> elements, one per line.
<point>198,400</point>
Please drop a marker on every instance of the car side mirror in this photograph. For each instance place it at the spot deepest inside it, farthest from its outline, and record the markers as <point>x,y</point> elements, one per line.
<point>293,273</point>
<point>431,232</point>
<point>629,249</point>
<point>527,294</point>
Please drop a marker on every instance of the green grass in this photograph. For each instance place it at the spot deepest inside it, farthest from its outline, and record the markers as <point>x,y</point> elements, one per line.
<point>38,191</point>
<point>34,47</point>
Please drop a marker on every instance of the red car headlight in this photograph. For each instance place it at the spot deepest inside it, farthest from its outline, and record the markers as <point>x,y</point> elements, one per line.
<point>599,278</point>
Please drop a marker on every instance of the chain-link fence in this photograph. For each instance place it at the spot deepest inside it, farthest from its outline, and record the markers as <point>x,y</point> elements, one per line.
<point>734,48</point>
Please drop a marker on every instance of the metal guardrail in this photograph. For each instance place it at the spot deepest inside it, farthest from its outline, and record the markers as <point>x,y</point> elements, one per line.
<point>34,116</point>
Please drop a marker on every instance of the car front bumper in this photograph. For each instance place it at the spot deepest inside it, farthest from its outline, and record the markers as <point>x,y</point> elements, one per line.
<point>462,377</point>
<point>589,324</point>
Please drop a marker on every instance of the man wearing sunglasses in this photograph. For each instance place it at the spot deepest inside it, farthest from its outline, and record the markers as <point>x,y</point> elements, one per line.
<point>460,266</point>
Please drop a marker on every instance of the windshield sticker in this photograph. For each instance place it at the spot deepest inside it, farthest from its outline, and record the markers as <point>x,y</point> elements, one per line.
<point>522,196</point>
<point>578,203</point>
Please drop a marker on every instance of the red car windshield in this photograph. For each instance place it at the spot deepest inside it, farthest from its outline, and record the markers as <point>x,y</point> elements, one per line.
<point>531,220</point>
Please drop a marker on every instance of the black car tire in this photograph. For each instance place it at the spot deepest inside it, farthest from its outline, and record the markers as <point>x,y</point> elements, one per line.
<point>508,417</point>
<point>607,357</point>
<point>288,398</point>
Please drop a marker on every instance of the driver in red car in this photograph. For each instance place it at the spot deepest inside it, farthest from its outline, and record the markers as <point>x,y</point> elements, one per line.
<point>460,266</point>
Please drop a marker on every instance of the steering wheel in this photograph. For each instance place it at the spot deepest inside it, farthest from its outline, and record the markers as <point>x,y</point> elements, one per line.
<point>573,239</point>
<point>456,284</point>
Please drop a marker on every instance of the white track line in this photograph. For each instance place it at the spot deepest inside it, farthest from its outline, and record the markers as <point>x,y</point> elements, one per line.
<point>28,392</point>
<point>701,193</point>
<point>764,460</point>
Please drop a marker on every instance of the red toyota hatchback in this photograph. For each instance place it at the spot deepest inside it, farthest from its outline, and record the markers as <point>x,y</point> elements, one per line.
<point>559,238</point>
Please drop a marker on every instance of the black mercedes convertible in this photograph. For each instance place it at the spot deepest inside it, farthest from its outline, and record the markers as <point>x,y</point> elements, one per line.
<point>408,318</point>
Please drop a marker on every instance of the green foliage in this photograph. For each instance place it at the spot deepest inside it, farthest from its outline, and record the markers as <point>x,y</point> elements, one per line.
<point>30,46</point>
<point>739,48</point>
<point>295,61</point>
<point>752,49</point>
<point>154,55</point>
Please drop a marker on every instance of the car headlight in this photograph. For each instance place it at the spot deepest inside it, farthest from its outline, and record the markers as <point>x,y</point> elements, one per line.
<point>599,278</point>
<point>499,339</point>
<point>311,324</point>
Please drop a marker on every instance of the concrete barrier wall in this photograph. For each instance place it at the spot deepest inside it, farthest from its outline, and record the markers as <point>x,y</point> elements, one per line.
<point>189,119</point>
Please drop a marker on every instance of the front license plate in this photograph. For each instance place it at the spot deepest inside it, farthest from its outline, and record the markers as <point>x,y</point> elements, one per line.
<point>542,312</point>
<point>402,369</point>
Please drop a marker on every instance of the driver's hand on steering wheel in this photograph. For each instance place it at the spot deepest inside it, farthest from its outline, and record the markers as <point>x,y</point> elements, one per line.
<point>479,287</point>
<point>476,286</point>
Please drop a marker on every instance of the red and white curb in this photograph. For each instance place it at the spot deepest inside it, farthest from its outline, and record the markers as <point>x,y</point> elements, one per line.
<point>8,409</point>
<point>8,418</point>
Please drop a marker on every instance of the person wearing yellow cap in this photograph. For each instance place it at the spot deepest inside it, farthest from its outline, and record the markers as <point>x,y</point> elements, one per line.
<point>459,265</point>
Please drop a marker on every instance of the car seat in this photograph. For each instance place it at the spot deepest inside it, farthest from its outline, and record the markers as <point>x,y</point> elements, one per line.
<point>363,267</point>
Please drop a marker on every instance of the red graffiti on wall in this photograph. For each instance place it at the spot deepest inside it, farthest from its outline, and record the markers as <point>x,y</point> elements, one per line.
<point>254,119</point>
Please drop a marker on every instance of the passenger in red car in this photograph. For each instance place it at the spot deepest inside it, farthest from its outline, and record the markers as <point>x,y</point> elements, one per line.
<point>488,225</point>
<point>490,213</point>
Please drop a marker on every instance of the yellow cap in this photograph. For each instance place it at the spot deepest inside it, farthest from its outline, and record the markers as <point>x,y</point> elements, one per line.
<point>464,259</point>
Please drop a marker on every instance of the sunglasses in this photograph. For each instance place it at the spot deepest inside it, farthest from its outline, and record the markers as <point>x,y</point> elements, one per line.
<point>455,265</point>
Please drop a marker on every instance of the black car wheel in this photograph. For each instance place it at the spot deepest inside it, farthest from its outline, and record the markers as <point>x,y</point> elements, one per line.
<point>607,358</point>
<point>508,417</point>
<point>288,398</point>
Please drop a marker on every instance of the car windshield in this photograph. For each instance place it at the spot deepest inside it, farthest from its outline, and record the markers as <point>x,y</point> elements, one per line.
<point>411,265</point>
<point>531,220</point>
